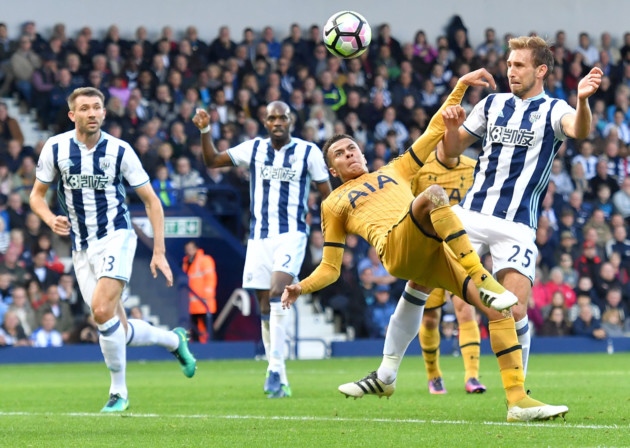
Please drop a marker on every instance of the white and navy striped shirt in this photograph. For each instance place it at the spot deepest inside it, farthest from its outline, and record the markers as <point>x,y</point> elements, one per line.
<point>279,183</point>
<point>91,189</point>
<point>520,141</point>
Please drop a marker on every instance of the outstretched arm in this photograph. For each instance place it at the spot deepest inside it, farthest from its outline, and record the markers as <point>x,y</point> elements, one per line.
<point>578,125</point>
<point>211,156</point>
<point>425,144</point>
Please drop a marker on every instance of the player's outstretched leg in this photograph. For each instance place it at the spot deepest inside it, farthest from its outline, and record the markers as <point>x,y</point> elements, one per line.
<point>402,329</point>
<point>187,361</point>
<point>448,227</point>
<point>521,408</point>
<point>370,385</point>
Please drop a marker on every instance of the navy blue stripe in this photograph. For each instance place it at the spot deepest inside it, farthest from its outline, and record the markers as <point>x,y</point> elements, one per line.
<point>493,159</point>
<point>302,206</point>
<point>536,189</point>
<point>274,299</point>
<point>516,164</point>
<point>111,329</point>
<point>340,245</point>
<point>413,300</point>
<point>522,331</point>
<point>61,193</point>
<point>508,350</point>
<point>77,195</point>
<point>266,186</point>
<point>133,332</point>
<point>283,199</point>
<point>264,317</point>
<point>100,199</point>
<point>122,219</point>
<point>252,183</point>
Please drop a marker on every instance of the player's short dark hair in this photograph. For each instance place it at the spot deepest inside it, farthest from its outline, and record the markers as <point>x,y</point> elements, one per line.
<point>331,141</point>
<point>84,91</point>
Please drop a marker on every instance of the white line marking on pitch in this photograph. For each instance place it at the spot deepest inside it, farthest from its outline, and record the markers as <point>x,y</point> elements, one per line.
<point>306,418</point>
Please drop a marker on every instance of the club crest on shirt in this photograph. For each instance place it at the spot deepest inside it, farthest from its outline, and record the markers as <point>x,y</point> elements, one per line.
<point>103,164</point>
<point>534,117</point>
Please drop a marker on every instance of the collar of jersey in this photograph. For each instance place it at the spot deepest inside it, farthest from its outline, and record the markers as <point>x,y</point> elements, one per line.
<point>285,146</point>
<point>534,98</point>
<point>82,146</point>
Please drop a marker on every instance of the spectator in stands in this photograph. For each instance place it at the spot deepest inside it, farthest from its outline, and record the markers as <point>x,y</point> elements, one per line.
<point>64,320</point>
<point>380,312</point>
<point>11,332</point>
<point>188,182</point>
<point>14,155</point>
<point>69,293</point>
<point>163,187</point>
<point>46,335</point>
<point>597,223</point>
<point>586,325</point>
<point>23,310</point>
<point>41,272</point>
<point>85,332</point>
<point>613,324</point>
<point>20,69</point>
<point>587,265</point>
<point>25,177</point>
<point>605,280</point>
<point>202,281</point>
<point>621,200</point>
<point>222,47</point>
<point>9,128</point>
<point>556,283</point>
<point>613,300</point>
<point>569,274</point>
<point>556,324</point>
<point>44,243</point>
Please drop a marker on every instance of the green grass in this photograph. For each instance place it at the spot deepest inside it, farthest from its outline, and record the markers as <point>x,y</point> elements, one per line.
<point>56,405</point>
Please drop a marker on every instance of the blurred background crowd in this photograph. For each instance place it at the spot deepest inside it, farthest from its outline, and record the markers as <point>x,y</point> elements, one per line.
<point>384,99</point>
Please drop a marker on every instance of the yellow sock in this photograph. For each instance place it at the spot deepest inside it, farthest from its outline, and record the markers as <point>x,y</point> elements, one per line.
<point>508,352</point>
<point>469,339</point>
<point>430,344</point>
<point>448,227</point>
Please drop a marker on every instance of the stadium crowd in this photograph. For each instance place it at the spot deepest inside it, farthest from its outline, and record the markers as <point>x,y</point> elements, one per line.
<point>384,99</point>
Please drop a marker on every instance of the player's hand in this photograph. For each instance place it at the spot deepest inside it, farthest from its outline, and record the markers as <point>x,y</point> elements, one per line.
<point>590,83</point>
<point>60,225</point>
<point>201,118</point>
<point>290,295</point>
<point>158,262</point>
<point>453,116</point>
<point>479,78</point>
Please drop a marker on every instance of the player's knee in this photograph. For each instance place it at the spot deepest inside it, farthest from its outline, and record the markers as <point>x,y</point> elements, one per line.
<point>436,196</point>
<point>430,319</point>
<point>102,313</point>
<point>519,311</point>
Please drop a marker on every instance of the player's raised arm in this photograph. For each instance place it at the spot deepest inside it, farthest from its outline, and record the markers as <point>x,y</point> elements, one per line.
<point>578,125</point>
<point>211,156</point>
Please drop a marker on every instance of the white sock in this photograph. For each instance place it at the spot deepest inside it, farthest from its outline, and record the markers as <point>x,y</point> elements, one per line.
<point>525,339</point>
<point>112,341</point>
<point>277,335</point>
<point>403,328</point>
<point>140,333</point>
<point>264,331</point>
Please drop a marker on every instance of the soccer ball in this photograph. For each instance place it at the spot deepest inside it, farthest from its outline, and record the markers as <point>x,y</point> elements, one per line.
<point>347,34</point>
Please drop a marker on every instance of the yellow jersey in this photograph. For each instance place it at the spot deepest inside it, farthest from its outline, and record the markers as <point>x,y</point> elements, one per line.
<point>456,180</point>
<point>373,204</point>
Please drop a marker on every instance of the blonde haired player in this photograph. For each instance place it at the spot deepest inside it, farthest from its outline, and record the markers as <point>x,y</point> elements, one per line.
<point>419,239</point>
<point>455,175</point>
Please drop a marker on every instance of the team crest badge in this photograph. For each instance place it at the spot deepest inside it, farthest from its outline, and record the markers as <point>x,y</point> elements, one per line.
<point>292,160</point>
<point>103,164</point>
<point>534,117</point>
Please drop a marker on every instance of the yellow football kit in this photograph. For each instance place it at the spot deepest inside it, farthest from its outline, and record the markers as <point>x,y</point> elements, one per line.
<point>456,181</point>
<point>376,206</point>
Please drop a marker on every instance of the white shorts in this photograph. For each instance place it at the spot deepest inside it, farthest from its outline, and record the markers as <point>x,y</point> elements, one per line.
<point>111,256</point>
<point>511,244</point>
<point>283,253</point>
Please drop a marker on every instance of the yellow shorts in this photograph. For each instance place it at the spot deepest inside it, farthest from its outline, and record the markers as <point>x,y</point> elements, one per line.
<point>436,299</point>
<point>410,254</point>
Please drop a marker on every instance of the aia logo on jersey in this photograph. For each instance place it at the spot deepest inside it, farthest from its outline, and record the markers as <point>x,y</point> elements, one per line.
<point>382,180</point>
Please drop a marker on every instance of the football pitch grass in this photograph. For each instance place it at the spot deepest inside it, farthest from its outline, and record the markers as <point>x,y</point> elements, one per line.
<point>57,405</point>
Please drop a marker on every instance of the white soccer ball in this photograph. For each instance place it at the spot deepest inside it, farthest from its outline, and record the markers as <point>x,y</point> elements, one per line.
<point>347,34</point>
